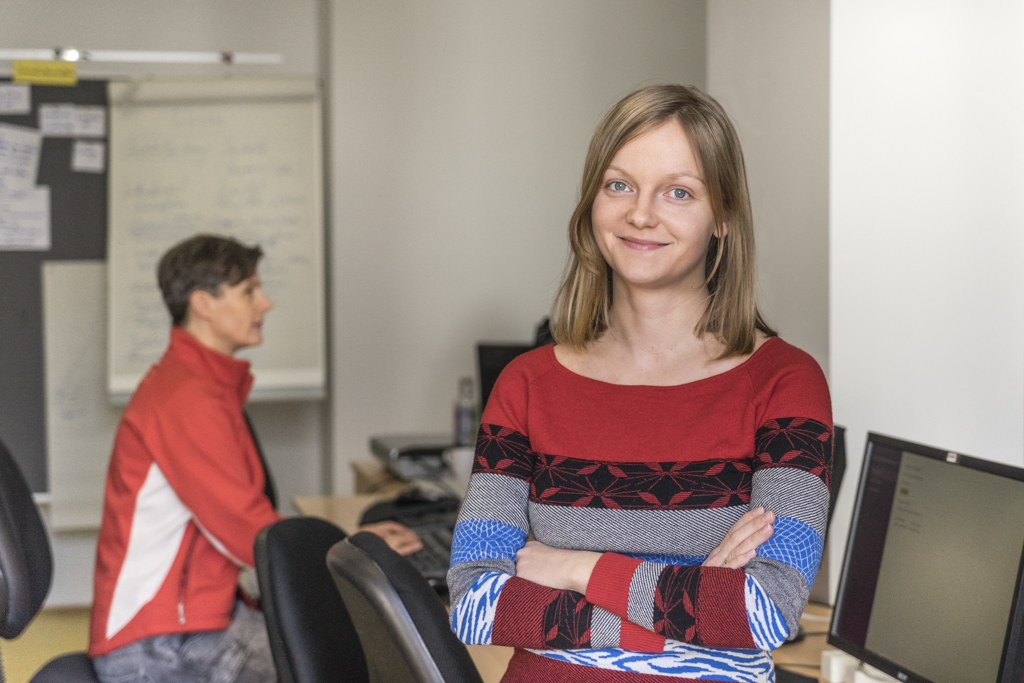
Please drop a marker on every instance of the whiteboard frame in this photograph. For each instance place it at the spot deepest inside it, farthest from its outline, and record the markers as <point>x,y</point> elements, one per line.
<point>271,384</point>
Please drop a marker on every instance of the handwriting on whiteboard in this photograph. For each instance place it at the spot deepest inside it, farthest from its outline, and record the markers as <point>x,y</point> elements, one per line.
<point>245,170</point>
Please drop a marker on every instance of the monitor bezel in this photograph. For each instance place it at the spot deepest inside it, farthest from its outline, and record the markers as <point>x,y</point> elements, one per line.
<point>1011,663</point>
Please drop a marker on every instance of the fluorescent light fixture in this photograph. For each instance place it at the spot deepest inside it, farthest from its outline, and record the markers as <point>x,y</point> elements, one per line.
<point>70,54</point>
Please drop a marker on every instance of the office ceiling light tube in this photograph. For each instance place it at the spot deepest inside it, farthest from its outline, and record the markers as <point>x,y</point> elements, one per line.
<point>70,54</point>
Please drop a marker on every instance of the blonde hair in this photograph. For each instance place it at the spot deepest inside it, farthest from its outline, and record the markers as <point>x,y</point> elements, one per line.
<point>581,308</point>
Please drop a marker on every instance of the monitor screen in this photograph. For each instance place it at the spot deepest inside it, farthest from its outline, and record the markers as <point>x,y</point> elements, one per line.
<point>931,578</point>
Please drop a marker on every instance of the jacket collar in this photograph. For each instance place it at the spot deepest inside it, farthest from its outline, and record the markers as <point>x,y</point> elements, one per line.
<point>229,372</point>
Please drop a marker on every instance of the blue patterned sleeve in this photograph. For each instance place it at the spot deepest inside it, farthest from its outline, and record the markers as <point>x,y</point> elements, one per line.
<point>792,466</point>
<point>491,528</point>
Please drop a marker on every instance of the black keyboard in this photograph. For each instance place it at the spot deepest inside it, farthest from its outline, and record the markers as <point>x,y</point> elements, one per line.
<point>435,557</point>
<point>434,522</point>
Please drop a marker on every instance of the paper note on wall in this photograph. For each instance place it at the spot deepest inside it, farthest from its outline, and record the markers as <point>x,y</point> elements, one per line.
<point>73,120</point>
<point>15,98</point>
<point>88,157</point>
<point>19,158</point>
<point>45,72</point>
<point>80,422</point>
<point>25,220</point>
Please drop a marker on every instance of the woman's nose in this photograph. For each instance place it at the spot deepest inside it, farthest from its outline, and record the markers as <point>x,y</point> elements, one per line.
<point>641,214</point>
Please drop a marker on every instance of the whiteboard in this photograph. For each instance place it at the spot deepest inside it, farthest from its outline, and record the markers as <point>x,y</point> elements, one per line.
<point>80,422</point>
<point>235,157</point>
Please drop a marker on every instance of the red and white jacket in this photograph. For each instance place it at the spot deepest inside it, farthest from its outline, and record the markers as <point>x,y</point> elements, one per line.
<point>183,503</point>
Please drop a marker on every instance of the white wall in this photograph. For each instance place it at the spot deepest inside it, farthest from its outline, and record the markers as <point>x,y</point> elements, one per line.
<point>459,129</point>
<point>286,27</point>
<point>927,220</point>
<point>768,66</point>
<point>291,433</point>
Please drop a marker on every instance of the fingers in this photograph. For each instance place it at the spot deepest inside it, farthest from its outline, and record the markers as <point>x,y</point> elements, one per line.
<point>752,526</point>
<point>400,538</point>
<point>757,536</point>
<point>740,545</point>
<point>739,560</point>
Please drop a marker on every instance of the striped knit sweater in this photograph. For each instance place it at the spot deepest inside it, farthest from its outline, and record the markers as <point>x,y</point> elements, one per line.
<point>653,477</point>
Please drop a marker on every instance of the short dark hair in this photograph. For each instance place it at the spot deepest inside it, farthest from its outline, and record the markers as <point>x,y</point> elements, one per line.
<point>203,262</point>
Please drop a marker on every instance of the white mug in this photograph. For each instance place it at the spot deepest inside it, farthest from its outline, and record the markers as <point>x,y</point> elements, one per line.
<point>460,460</point>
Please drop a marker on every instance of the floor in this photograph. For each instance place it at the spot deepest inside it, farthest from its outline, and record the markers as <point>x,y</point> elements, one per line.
<point>53,632</point>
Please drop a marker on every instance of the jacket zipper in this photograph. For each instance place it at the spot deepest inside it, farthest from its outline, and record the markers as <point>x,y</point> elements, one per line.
<point>183,578</point>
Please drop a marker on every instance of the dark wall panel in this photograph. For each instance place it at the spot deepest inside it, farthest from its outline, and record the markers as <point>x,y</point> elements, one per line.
<point>78,215</point>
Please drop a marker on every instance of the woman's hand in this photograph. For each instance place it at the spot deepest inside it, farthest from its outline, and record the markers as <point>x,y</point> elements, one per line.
<point>554,568</point>
<point>401,538</point>
<point>740,545</point>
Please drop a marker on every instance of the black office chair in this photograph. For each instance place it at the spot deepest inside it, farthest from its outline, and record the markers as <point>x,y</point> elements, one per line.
<point>312,638</point>
<point>402,624</point>
<point>26,570</point>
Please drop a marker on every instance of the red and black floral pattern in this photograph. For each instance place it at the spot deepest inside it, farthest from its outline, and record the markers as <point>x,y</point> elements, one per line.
<point>574,482</point>
<point>501,450</point>
<point>675,604</point>
<point>796,442</point>
<point>567,621</point>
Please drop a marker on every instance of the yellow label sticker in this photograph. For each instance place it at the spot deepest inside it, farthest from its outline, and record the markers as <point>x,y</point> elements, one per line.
<point>45,73</point>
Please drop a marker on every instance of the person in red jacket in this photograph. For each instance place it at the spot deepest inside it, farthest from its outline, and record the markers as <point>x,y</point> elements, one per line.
<point>184,495</point>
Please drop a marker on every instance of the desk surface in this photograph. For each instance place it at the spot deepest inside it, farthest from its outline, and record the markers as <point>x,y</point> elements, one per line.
<point>492,660</point>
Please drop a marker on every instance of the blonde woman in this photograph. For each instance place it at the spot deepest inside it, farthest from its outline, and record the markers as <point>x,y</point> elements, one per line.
<point>670,455</point>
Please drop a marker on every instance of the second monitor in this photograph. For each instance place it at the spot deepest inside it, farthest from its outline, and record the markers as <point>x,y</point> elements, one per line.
<point>931,584</point>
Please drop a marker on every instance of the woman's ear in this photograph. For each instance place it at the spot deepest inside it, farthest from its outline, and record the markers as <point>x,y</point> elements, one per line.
<point>200,304</point>
<point>721,230</point>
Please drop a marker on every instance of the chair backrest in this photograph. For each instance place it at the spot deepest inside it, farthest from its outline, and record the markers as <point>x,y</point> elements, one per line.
<point>402,624</point>
<point>26,563</point>
<point>312,638</point>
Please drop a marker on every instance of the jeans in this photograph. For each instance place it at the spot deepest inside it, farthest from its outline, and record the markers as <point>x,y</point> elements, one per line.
<point>238,654</point>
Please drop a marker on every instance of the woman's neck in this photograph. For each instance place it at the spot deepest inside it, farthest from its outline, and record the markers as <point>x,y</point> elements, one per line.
<point>656,321</point>
<point>651,339</point>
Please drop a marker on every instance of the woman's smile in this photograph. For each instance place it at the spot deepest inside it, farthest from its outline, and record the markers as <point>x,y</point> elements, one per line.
<point>642,245</point>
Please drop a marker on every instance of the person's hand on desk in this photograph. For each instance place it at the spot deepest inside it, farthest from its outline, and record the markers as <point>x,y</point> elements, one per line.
<point>401,538</point>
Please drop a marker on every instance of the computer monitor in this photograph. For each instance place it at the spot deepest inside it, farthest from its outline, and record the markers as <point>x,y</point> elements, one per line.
<point>492,357</point>
<point>931,584</point>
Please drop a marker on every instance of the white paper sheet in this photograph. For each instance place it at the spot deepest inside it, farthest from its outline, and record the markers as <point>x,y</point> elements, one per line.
<point>73,121</point>
<point>15,98</point>
<point>19,158</point>
<point>80,422</point>
<point>88,157</point>
<point>25,220</point>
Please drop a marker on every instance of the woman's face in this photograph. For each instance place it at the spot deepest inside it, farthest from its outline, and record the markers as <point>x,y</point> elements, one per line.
<point>236,315</point>
<point>652,217</point>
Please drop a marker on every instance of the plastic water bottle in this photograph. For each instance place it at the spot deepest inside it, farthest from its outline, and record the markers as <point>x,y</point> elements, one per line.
<point>464,408</point>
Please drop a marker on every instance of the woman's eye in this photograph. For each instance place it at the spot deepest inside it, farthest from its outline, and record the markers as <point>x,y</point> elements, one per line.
<point>680,193</point>
<point>618,186</point>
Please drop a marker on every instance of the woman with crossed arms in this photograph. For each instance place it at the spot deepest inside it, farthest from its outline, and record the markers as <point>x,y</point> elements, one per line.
<point>670,454</point>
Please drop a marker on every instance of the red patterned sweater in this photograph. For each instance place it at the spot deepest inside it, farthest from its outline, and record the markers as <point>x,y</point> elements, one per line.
<point>653,477</point>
